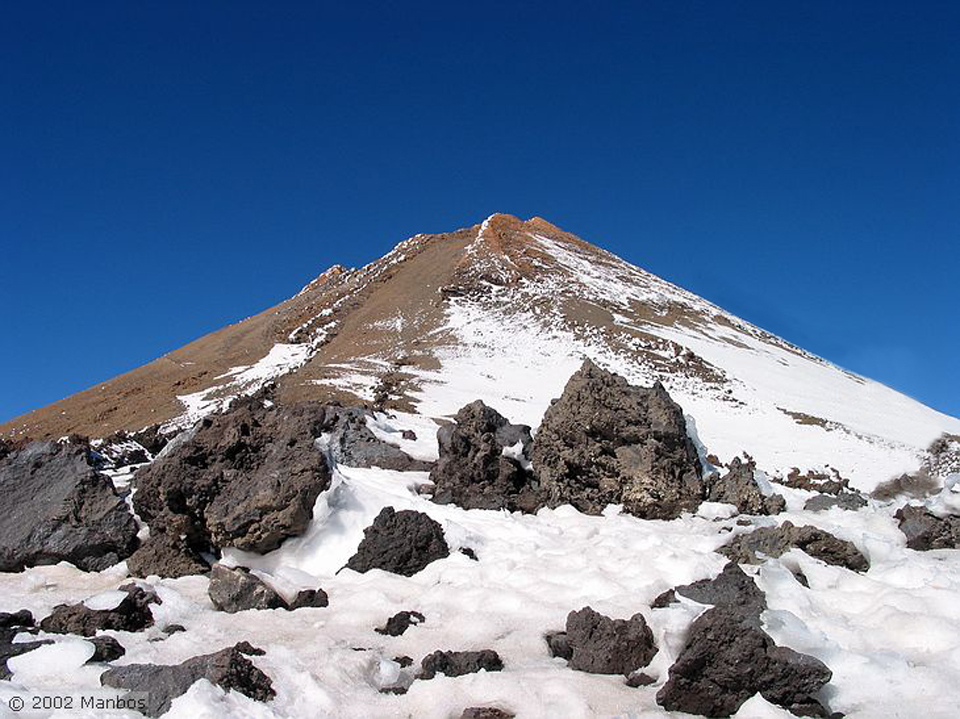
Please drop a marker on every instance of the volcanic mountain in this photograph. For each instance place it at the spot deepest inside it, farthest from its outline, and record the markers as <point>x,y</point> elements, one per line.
<point>505,311</point>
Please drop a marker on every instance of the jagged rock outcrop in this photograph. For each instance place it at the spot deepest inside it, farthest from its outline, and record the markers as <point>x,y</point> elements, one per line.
<point>925,531</point>
<point>732,588</point>
<point>401,542</point>
<point>400,622</point>
<point>237,589</point>
<point>728,658</point>
<point>851,501</point>
<point>601,645</point>
<point>350,441</point>
<point>455,664</point>
<point>132,614</point>
<point>774,541</point>
<point>166,554</point>
<point>228,669</point>
<point>738,487</point>
<point>605,441</point>
<point>247,478</point>
<point>483,462</point>
<point>55,506</point>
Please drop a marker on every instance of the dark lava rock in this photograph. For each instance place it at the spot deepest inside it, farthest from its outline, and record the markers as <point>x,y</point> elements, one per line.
<point>925,530</point>
<point>727,659</point>
<point>774,541</point>
<point>132,614</point>
<point>400,622</point>
<point>309,599</point>
<point>469,553</point>
<point>559,645</point>
<point>473,472</point>
<point>55,506</point>
<point>403,660</point>
<point>739,487</point>
<point>166,555</point>
<point>229,669</point>
<point>351,442</point>
<point>408,434</point>
<point>851,501</point>
<point>639,679</point>
<point>607,442</point>
<point>815,481</point>
<point>401,542</point>
<point>22,618</point>
<point>486,713</point>
<point>247,478</point>
<point>455,664</point>
<point>602,645</point>
<point>106,649</point>
<point>235,590</point>
<point>731,589</point>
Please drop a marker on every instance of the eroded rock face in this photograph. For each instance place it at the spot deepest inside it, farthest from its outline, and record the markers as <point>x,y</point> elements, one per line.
<point>483,463</point>
<point>132,614</point>
<point>351,442</point>
<point>401,542</point>
<point>166,555</point>
<point>774,541</point>
<point>925,531</point>
<point>600,645</point>
<point>55,506</point>
<point>739,487</point>
<point>247,478</point>
<point>727,659</point>
<point>607,442</point>
<point>229,669</point>
<point>455,664</point>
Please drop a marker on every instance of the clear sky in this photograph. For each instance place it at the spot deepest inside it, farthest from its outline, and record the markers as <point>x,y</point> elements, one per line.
<point>170,167</point>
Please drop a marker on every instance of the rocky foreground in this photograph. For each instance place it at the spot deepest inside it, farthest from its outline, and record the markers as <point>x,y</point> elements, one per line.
<point>224,511</point>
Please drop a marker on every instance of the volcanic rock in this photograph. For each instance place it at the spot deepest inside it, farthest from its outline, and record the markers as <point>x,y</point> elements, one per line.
<point>601,645</point>
<point>105,649</point>
<point>925,530</point>
<point>235,590</point>
<point>739,487</point>
<point>9,648</point>
<point>247,478</point>
<point>229,669</point>
<point>727,659</point>
<point>814,481</point>
<point>350,441</point>
<point>22,618</point>
<point>483,463</point>
<point>166,555</point>
<point>455,664</point>
<point>55,506</point>
<point>774,541</point>
<point>607,442</point>
<point>401,542</point>
<point>132,614</point>
<point>485,713</point>
<point>731,589</point>
<point>851,501</point>
<point>400,622</point>
<point>309,599</point>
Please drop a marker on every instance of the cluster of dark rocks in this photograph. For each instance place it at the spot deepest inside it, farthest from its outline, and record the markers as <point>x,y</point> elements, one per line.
<point>925,531</point>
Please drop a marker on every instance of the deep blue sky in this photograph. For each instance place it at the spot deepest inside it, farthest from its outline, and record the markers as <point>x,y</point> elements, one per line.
<point>169,167</point>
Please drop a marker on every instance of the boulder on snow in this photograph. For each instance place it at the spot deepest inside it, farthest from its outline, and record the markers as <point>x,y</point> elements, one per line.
<point>401,542</point>
<point>237,589</point>
<point>600,645</point>
<point>350,441</point>
<point>228,669</point>
<point>739,487</point>
<point>105,649</point>
<point>166,554</point>
<point>400,622</point>
<point>727,659</point>
<point>21,618</point>
<point>483,462</point>
<point>851,501</point>
<point>486,713</point>
<point>132,614</point>
<point>247,478</point>
<point>925,531</point>
<point>455,664</point>
<point>55,506</point>
<point>608,442</point>
<point>731,589</point>
<point>774,541</point>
